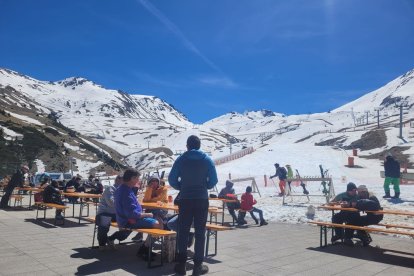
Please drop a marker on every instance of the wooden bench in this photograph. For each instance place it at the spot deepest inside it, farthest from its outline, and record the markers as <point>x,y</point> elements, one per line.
<point>212,231</point>
<point>44,206</point>
<point>325,225</point>
<point>17,199</point>
<point>153,233</point>
<point>214,212</point>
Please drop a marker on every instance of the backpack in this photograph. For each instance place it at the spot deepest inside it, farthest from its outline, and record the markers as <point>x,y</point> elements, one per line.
<point>282,173</point>
<point>368,205</point>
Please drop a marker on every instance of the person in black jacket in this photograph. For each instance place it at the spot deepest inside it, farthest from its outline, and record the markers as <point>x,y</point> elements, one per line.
<point>366,202</point>
<point>51,194</point>
<point>17,180</point>
<point>392,176</point>
<point>229,193</point>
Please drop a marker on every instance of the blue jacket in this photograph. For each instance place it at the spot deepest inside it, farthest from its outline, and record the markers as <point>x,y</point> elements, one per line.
<point>392,167</point>
<point>193,173</point>
<point>126,206</point>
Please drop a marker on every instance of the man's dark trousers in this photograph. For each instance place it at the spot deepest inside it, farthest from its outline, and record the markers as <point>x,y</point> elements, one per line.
<point>192,211</point>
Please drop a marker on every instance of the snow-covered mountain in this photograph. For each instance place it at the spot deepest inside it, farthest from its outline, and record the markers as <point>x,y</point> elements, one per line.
<point>150,132</point>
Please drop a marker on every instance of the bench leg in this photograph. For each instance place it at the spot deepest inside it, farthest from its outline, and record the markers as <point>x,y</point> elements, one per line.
<point>215,243</point>
<point>323,236</point>
<point>37,212</point>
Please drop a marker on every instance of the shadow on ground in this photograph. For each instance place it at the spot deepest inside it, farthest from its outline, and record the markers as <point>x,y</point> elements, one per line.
<point>374,254</point>
<point>49,223</point>
<point>124,258</point>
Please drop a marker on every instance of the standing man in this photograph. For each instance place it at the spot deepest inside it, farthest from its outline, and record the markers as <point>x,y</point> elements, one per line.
<point>193,174</point>
<point>392,176</point>
<point>281,173</point>
<point>17,180</point>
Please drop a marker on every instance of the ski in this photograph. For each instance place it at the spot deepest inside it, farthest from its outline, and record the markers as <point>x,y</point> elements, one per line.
<point>303,185</point>
<point>325,191</point>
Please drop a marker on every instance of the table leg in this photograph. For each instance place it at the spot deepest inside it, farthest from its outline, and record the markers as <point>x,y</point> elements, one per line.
<point>80,209</point>
<point>30,200</point>
<point>222,215</point>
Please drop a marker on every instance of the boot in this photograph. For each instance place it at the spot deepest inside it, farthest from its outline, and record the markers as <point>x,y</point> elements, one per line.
<point>180,268</point>
<point>387,195</point>
<point>200,269</point>
<point>397,195</point>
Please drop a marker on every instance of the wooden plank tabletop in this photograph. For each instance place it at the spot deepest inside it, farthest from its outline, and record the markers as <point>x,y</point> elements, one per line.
<point>385,211</point>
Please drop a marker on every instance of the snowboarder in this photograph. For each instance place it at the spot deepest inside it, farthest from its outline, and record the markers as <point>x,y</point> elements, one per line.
<point>392,176</point>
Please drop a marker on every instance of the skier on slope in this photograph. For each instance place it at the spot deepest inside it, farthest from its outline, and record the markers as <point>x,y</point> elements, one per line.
<point>281,173</point>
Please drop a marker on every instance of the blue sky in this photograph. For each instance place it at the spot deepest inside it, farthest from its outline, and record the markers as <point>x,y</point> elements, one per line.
<point>211,57</point>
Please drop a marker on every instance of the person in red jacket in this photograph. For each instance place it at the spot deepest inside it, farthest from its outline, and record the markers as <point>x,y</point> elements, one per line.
<point>247,202</point>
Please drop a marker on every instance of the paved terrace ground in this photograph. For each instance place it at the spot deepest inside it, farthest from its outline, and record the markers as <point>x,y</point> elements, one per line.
<point>28,247</point>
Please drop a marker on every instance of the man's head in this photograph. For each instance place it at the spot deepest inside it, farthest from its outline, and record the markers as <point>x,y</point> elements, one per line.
<point>78,179</point>
<point>351,189</point>
<point>54,184</point>
<point>363,192</point>
<point>193,143</point>
<point>277,165</point>
<point>118,180</point>
<point>248,189</point>
<point>229,184</point>
<point>131,177</point>
<point>287,166</point>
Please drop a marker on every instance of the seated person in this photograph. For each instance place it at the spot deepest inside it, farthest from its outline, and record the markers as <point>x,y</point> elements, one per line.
<point>51,194</point>
<point>105,214</point>
<point>247,202</point>
<point>345,199</point>
<point>96,187</point>
<point>156,192</point>
<point>129,212</point>
<point>366,202</point>
<point>228,193</point>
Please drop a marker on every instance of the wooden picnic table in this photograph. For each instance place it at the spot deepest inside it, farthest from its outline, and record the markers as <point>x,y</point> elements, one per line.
<point>166,206</point>
<point>224,201</point>
<point>30,190</point>
<point>81,196</point>
<point>384,212</point>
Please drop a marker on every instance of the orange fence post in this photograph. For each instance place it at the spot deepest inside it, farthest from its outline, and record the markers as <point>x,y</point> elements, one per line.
<point>355,152</point>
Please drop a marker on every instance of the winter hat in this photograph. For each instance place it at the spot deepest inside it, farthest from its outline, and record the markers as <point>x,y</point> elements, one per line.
<point>229,184</point>
<point>287,165</point>
<point>389,154</point>
<point>351,186</point>
<point>248,189</point>
<point>276,164</point>
<point>362,188</point>
<point>154,177</point>
<point>25,168</point>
